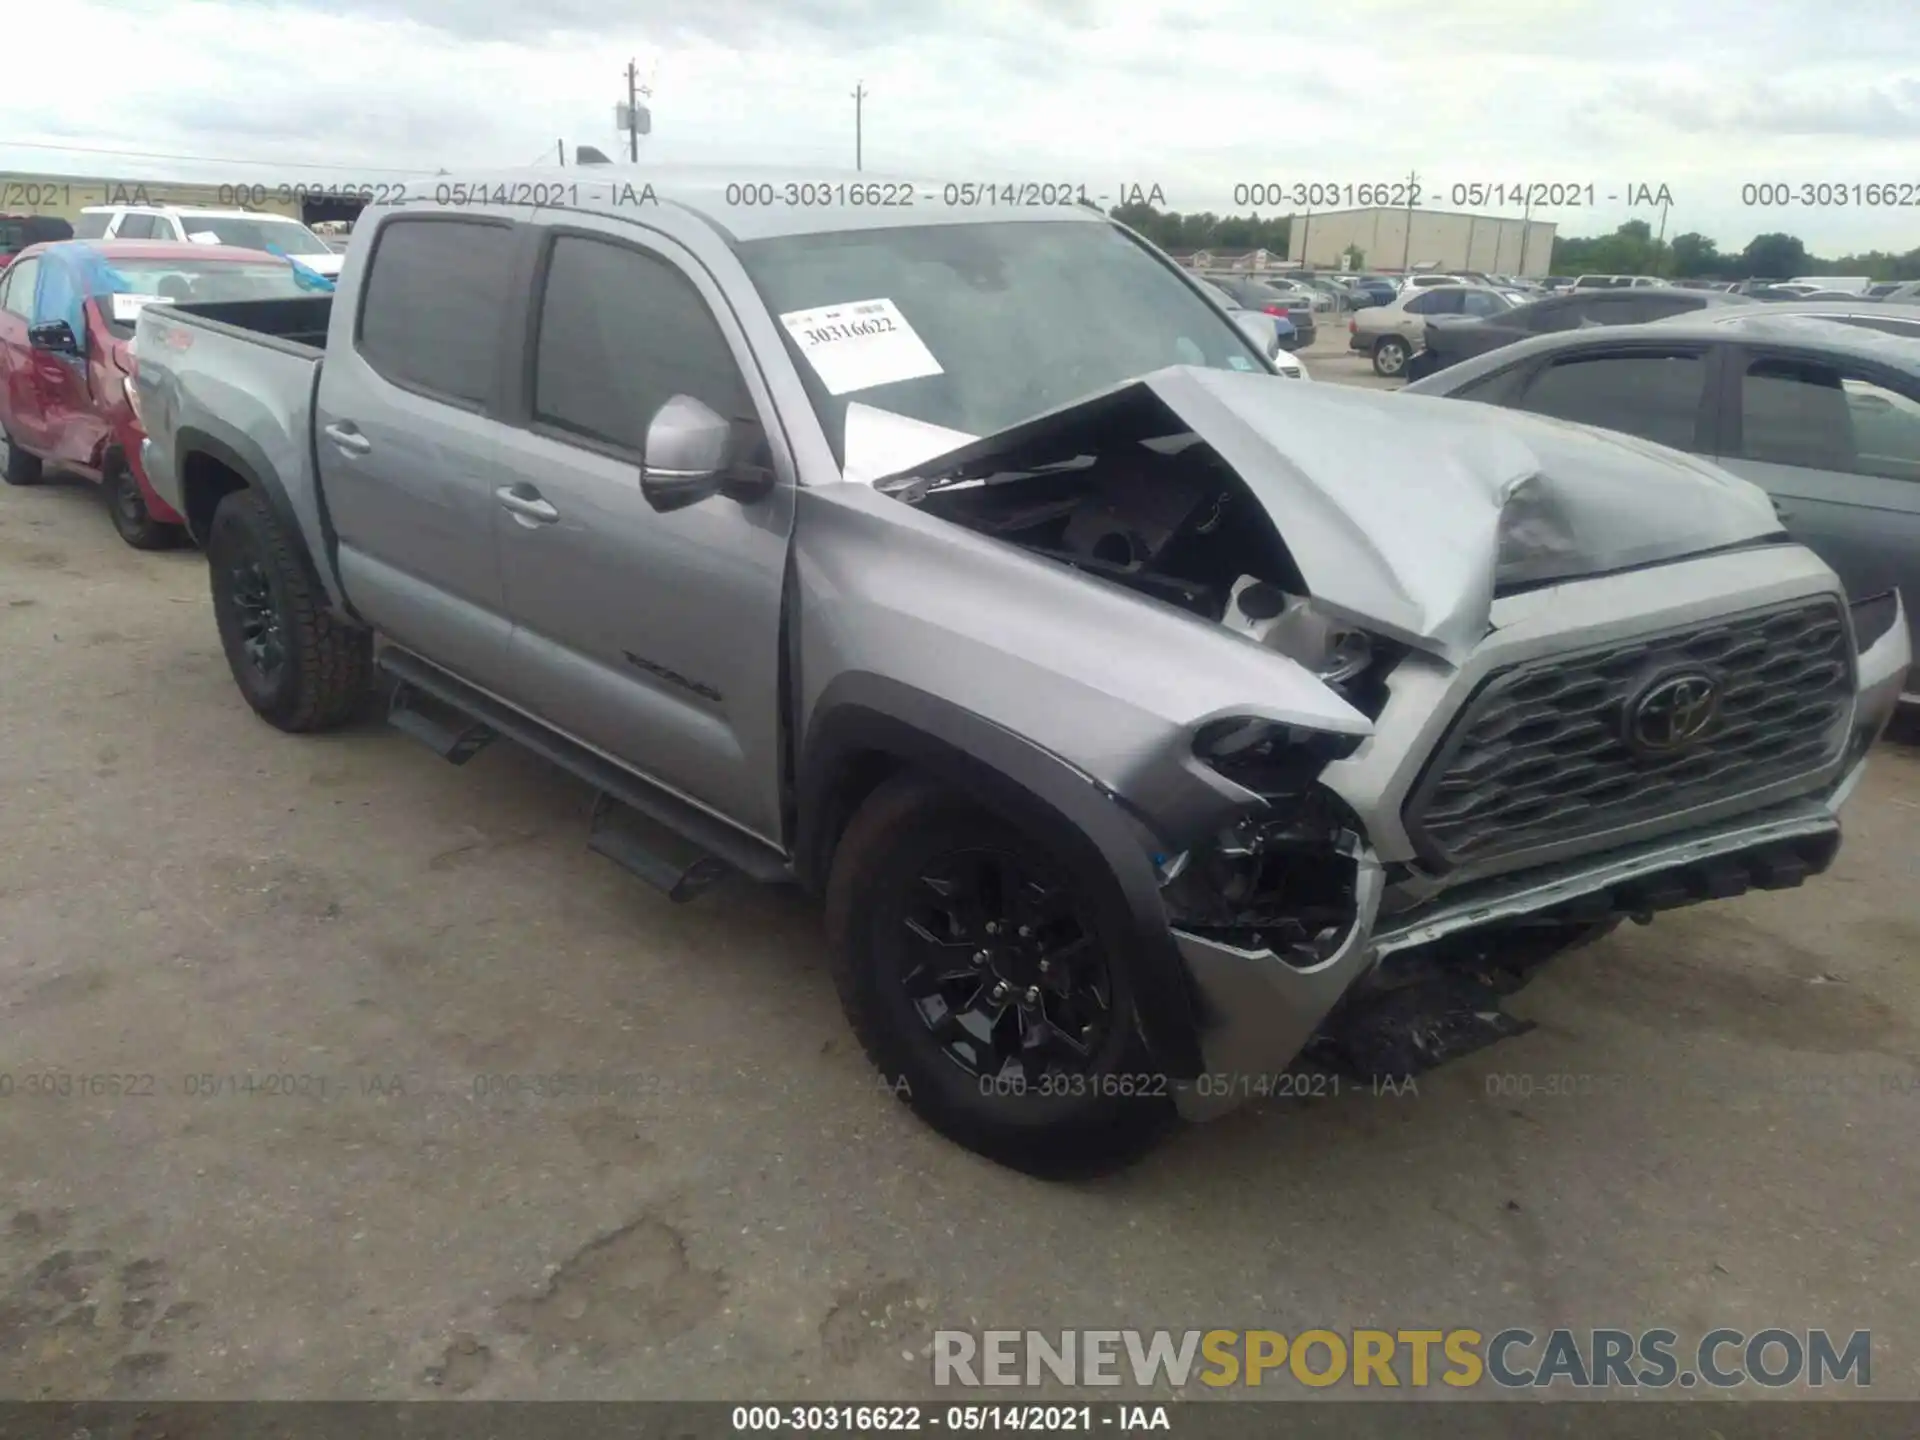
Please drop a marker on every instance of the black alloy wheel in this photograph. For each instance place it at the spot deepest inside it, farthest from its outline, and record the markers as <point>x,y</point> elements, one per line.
<point>262,635</point>
<point>989,974</point>
<point>1006,977</point>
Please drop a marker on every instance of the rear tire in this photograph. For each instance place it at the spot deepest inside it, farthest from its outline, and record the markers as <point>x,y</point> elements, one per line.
<point>1390,355</point>
<point>132,521</point>
<point>1107,1103</point>
<point>22,468</point>
<point>300,668</point>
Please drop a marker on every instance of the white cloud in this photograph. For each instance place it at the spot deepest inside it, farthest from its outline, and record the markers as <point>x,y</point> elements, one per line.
<point>1695,94</point>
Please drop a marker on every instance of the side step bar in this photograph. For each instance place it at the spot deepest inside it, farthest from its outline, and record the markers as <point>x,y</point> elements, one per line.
<point>451,734</point>
<point>665,840</point>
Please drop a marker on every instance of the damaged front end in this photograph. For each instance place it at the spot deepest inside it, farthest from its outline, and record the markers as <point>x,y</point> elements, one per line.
<point>1388,555</point>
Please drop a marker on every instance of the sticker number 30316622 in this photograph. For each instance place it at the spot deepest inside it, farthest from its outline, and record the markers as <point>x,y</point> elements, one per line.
<point>880,325</point>
<point>859,345</point>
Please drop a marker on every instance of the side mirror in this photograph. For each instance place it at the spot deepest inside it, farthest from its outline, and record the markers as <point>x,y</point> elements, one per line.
<point>56,336</point>
<point>690,457</point>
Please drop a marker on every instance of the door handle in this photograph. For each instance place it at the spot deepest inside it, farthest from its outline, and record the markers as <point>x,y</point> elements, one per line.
<point>348,439</point>
<point>527,509</point>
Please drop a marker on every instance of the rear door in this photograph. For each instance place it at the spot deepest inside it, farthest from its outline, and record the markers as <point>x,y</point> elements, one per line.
<point>1838,443</point>
<point>652,637</point>
<point>409,441</point>
<point>1412,319</point>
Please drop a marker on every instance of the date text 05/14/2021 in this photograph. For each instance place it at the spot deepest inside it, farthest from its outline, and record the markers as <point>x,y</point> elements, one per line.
<point>989,1418</point>
<point>536,193</point>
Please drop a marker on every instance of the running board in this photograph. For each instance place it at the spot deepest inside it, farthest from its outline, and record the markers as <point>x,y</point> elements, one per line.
<point>665,840</point>
<point>665,859</point>
<point>449,732</point>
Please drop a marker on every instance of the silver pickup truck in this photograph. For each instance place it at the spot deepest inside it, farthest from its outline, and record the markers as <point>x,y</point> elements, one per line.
<point>1149,723</point>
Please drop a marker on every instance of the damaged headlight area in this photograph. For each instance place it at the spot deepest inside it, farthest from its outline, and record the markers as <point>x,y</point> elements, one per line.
<point>1290,624</point>
<point>1283,878</point>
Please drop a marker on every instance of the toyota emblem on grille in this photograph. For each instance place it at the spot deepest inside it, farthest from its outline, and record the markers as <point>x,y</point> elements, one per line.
<point>1672,712</point>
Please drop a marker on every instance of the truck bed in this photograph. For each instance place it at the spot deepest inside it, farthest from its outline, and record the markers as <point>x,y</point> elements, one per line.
<point>238,378</point>
<point>299,322</point>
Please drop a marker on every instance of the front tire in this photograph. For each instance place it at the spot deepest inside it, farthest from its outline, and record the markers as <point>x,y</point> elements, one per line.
<point>987,979</point>
<point>132,521</point>
<point>299,667</point>
<point>1390,355</point>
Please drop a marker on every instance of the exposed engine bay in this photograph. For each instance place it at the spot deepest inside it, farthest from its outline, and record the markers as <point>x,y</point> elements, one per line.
<point>1169,519</point>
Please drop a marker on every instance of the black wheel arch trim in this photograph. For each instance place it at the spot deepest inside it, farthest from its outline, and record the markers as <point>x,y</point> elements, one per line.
<point>861,714</point>
<point>247,461</point>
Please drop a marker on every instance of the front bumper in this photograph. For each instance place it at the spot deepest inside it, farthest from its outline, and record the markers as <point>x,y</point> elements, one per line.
<point>1257,1012</point>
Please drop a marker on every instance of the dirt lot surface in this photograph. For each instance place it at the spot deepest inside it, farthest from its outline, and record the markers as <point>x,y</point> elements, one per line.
<point>288,982</point>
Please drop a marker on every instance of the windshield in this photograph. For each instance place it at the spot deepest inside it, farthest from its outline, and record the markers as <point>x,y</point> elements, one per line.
<point>976,327</point>
<point>257,233</point>
<point>183,282</point>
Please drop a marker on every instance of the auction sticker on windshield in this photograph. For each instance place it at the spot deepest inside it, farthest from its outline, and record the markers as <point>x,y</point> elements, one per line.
<point>859,345</point>
<point>126,306</point>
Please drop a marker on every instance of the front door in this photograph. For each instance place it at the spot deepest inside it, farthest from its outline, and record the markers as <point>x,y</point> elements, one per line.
<point>652,637</point>
<point>75,426</point>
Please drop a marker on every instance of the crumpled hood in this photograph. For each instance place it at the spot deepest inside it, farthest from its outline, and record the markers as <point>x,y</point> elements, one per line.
<point>1406,512</point>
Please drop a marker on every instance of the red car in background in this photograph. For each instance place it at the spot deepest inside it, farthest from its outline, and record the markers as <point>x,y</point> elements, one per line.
<point>65,361</point>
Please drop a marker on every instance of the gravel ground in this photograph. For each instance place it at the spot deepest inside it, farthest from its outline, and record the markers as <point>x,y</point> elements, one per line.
<point>290,963</point>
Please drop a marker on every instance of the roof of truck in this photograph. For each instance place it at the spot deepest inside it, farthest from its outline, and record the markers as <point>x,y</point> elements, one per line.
<point>723,196</point>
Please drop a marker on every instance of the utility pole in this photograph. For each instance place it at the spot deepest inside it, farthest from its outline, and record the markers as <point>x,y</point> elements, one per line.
<point>633,112</point>
<point>1660,242</point>
<point>561,146</point>
<point>1526,232</point>
<point>1413,189</point>
<point>859,100</point>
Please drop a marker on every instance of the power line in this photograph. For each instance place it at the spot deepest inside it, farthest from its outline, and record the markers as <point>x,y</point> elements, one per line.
<point>215,159</point>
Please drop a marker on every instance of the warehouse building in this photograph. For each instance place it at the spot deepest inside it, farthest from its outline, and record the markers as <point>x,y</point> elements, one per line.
<point>1439,240</point>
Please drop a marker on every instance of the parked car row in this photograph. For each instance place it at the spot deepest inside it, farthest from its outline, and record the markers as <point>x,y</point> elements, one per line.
<point>1819,406</point>
<point>1139,721</point>
<point>1282,298</point>
<point>67,313</point>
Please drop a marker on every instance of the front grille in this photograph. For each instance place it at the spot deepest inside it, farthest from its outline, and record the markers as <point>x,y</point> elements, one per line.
<point>1540,754</point>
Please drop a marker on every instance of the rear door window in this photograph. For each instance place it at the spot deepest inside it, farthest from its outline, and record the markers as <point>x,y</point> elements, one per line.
<point>1653,394</point>
<point>433,305</point>
<point>92,226</point>
<point>1819,416</point>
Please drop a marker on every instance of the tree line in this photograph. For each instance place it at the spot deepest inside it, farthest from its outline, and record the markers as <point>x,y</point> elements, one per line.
<point>1629,250</point>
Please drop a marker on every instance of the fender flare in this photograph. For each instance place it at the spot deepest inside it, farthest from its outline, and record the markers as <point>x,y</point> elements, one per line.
<point>246,460</point>
<point>861,714</point>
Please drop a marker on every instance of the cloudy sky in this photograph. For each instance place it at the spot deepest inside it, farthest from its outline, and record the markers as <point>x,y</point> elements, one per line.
<point>1703,96</point>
